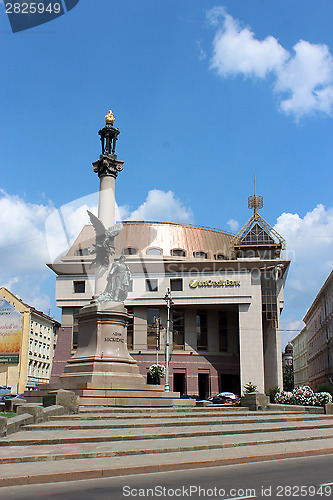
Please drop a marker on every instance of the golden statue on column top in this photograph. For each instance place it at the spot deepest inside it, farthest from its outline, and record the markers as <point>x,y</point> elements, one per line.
<point>109,118</point>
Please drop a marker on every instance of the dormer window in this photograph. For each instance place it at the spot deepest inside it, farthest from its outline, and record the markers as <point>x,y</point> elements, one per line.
<point>130,251</point>
<point>154,251</point>
<point>220,256</point>
<point>178,252</point>
<point>200,255</point>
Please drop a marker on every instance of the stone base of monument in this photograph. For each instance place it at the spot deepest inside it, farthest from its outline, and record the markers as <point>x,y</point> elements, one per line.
<point>102,372</point>
<point>92,395</point>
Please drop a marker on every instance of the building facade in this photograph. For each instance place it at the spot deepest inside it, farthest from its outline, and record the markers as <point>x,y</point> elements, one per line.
<point>227,294</point>
<point>287,356</point>
<point>319,331</point>
<point>300,346</point>
<point>27,344</point>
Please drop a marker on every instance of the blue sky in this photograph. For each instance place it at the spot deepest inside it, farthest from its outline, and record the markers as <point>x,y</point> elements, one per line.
<point>205,94</point>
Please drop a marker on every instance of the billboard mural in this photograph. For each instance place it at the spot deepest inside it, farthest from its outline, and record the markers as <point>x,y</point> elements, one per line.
<point>10,333</point>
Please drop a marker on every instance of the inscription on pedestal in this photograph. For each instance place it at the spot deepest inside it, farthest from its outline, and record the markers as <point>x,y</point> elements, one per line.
<point>115,338</point>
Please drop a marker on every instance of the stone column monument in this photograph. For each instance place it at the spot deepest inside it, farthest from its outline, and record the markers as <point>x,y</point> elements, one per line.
<point>102,371</point>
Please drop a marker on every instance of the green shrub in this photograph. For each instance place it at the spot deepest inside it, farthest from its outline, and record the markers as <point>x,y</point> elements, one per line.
<point>323,398</point>
<point>271,392</point>
<point>249,388</point>
<point>326,387</point>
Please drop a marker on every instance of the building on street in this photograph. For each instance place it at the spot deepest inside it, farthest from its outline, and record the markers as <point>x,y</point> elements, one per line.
<point>300,346</point>
<point>227,293</point>
<point>287,356</point>
<point>27,344</point>
<point>319,331</point>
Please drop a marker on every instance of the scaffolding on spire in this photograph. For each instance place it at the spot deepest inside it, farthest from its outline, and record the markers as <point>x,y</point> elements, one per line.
<point>257,238</point>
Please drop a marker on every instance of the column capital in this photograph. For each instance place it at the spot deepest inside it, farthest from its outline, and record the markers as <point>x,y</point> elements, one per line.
<point>108,166</point>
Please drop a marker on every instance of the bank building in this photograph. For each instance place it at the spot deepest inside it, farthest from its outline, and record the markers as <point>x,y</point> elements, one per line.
<point>227,297</point>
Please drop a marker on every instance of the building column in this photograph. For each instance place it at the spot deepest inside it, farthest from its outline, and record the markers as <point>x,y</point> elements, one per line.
<point>272,356</point>
<point>107,200</point>
<point>251,355</point>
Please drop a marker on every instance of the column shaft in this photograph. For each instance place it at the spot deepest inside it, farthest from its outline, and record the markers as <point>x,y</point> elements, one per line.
<point>251,356</point>
<point>106,205</point>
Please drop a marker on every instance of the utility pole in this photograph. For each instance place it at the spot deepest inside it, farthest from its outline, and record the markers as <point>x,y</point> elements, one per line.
<point>169,302</point>
<point>158,327</point>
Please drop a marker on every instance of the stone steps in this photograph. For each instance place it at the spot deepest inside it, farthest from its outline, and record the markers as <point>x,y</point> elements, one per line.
<point>45,435</point>
<point>101,442</point>
<point>117,416</point>
<point>75,469</point>
<point>217,409</point>
<point>64,451</point>
<point>182,421</point>
<point>189,417</point>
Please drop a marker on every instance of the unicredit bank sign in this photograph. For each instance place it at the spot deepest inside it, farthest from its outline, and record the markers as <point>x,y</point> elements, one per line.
<point>213,283</point>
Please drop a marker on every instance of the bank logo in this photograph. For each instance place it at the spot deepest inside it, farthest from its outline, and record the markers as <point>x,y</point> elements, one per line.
<point>24,15</point>
<point>213,283</point>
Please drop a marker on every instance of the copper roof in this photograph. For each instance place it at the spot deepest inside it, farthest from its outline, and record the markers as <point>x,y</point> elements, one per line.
<point>166,236</point>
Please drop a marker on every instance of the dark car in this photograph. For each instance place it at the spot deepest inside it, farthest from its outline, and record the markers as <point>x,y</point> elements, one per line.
<point>225,398</point>
<point>7,396</point>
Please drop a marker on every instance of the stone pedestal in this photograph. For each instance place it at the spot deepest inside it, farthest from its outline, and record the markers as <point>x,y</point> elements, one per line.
<point>255,401</point>
<point>103,336</point>
<point>102,372</point>
<point>102,360</point>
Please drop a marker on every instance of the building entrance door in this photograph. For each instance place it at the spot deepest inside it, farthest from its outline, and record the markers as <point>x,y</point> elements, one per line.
<point>179,383</point>
<point>203,385</point>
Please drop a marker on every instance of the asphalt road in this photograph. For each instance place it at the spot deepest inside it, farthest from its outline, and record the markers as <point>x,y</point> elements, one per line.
<point>310,477</point>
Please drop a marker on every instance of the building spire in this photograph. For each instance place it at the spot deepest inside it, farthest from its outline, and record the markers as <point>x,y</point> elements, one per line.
<point>255,202</point>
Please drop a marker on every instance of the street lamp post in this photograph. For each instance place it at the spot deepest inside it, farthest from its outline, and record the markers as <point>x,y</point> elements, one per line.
<point>169,302</point>
<point>158,326</point>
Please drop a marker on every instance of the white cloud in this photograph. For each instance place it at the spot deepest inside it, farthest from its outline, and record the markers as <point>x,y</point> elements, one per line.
<point>22,239</point>
<point>303,80</point>
<point>233,224</point>
<point>162,206</point>
<point>236,50</point>
<point>23,249</point>
<point>10,283</point>
<point>64,224</point>
<point>308,78</point>
<point>310,247</point>
<point>201,51</point>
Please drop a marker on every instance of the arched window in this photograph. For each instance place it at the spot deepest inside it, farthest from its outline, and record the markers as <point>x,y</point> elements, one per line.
<point>130,251</point>
<point>154,251</point>
<point>178,252</point>
<point>200,255</point>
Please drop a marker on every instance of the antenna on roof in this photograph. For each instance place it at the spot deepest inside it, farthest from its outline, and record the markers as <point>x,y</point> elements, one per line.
<point>255,201</point>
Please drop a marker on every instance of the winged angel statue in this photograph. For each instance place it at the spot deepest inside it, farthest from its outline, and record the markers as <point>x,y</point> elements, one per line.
<point>118,279</point>
<point>104,243</point>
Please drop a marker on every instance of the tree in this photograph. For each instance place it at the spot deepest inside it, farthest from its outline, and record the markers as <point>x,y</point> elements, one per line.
<point>288,378</point>
<point>249,388</point>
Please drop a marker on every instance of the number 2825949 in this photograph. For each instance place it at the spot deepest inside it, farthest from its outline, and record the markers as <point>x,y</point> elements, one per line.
<point>32,8</point>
